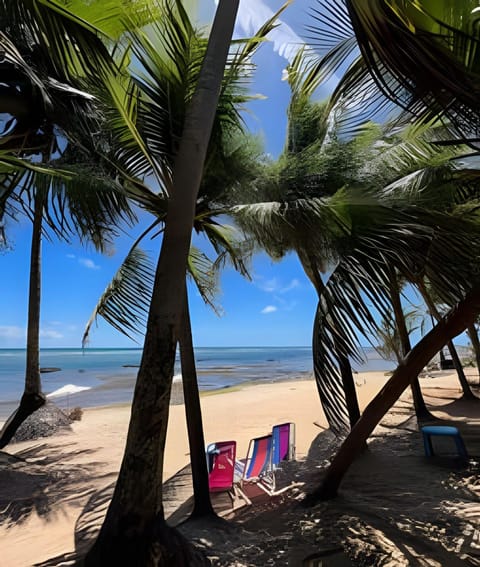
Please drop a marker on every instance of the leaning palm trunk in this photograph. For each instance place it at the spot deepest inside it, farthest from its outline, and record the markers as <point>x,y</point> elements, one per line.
<point>202,505</point>
<point>134,531</point>
<point>32,397</point>
<point>467,392</point>
<point>421,410</point>
<point>450,326</point>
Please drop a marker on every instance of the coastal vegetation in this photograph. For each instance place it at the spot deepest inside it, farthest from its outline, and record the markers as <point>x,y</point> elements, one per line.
<point>168,105</point>
<point>44,182</point>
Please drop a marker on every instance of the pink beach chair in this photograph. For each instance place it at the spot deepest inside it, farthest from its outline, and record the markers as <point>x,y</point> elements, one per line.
<point>221,470</point>
<point>221,464</point>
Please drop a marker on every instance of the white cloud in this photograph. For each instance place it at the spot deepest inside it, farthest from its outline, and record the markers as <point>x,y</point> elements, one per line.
<point>87,263</point>
<point>268,309</point>
<point>252,14</point>
<point>273,285</point>
<point>12,332</point>
<point>268,285</point>
<point>50,334</point>
<point>71,256</point>
<point>292,285</point>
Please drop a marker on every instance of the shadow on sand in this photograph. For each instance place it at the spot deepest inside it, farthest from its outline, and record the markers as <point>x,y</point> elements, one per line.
<point>395,505</point>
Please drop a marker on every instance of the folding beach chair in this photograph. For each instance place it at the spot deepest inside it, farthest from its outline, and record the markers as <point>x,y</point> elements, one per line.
<point>283,436</point>
<point>257,467</point>
<point>221,468</point>
<point>221,465</point>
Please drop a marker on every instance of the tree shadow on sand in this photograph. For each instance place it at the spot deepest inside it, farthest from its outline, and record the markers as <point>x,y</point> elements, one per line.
<point>41,480</point>
<point>396,506</point>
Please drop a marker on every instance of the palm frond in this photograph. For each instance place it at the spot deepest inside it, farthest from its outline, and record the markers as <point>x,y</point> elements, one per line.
<point>205,274</point>
<point>300,224</point>
<point>230,247</point>
<point>125,302</point>
<point>426,36</point>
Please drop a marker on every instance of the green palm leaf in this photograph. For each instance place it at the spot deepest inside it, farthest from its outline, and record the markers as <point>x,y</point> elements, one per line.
<point>125,302</point>
<point>425,33</point>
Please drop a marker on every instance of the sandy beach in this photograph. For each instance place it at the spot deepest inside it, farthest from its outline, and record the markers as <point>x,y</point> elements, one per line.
<point>44,503</point>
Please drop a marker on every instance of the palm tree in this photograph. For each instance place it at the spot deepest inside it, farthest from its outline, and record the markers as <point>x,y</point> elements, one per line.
<point>405,346</point>
<point>425,32</point>
<point>473,335</point>
<point>159,95</point>
<point>93,207</point>
<point>124,304</point>
<point>418,83</point>
<point>139,490</point>
<point>314,166</point>
<point>134,530</point>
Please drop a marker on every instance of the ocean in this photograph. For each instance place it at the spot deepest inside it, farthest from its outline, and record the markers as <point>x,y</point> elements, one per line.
<point>103,376</point>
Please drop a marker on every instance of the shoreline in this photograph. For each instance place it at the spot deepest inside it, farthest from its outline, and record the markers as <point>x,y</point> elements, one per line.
<point>85,461</point>
<point>116,382</point>
<point>93,397</point>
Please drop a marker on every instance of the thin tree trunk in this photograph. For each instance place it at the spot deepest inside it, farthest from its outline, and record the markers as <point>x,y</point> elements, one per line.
<point>134,531</point>
<point>193,411</point>
<point>421,410</point>
<point>32,367</point>
<point>32,397</point>
<point>457,363</point>
<point>349,389</point>
<point>467,392</point>
<point>472,333</point>
<point>450,326</point>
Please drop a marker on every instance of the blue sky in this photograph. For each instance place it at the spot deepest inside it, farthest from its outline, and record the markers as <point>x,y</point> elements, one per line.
<point>276,308</point>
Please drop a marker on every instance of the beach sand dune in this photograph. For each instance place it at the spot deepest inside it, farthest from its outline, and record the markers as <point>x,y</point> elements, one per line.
<point>395,508</point>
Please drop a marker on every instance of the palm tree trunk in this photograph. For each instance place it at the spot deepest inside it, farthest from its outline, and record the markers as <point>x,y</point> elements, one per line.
<point>472,333</point>
<point>467,392</point>
<point>349,389</point>
<point>421,410</point>
<point>32,368</point>
<point>193,411</point>
<point>134,531</point>
<point>32,397</point>
<point>450,326</point>
<point>457,363</point>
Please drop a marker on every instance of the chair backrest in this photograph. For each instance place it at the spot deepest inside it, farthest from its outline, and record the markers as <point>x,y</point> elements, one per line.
<point>221,463</point>
<point>283,436</point>
<point>259,457</point>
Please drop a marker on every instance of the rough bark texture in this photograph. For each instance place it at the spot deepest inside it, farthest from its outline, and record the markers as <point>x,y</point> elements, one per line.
<point>201,495</point>
<point>33,383</point>
<point>134,531</point>
<point>450,326</point>
<point>32,398</point>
